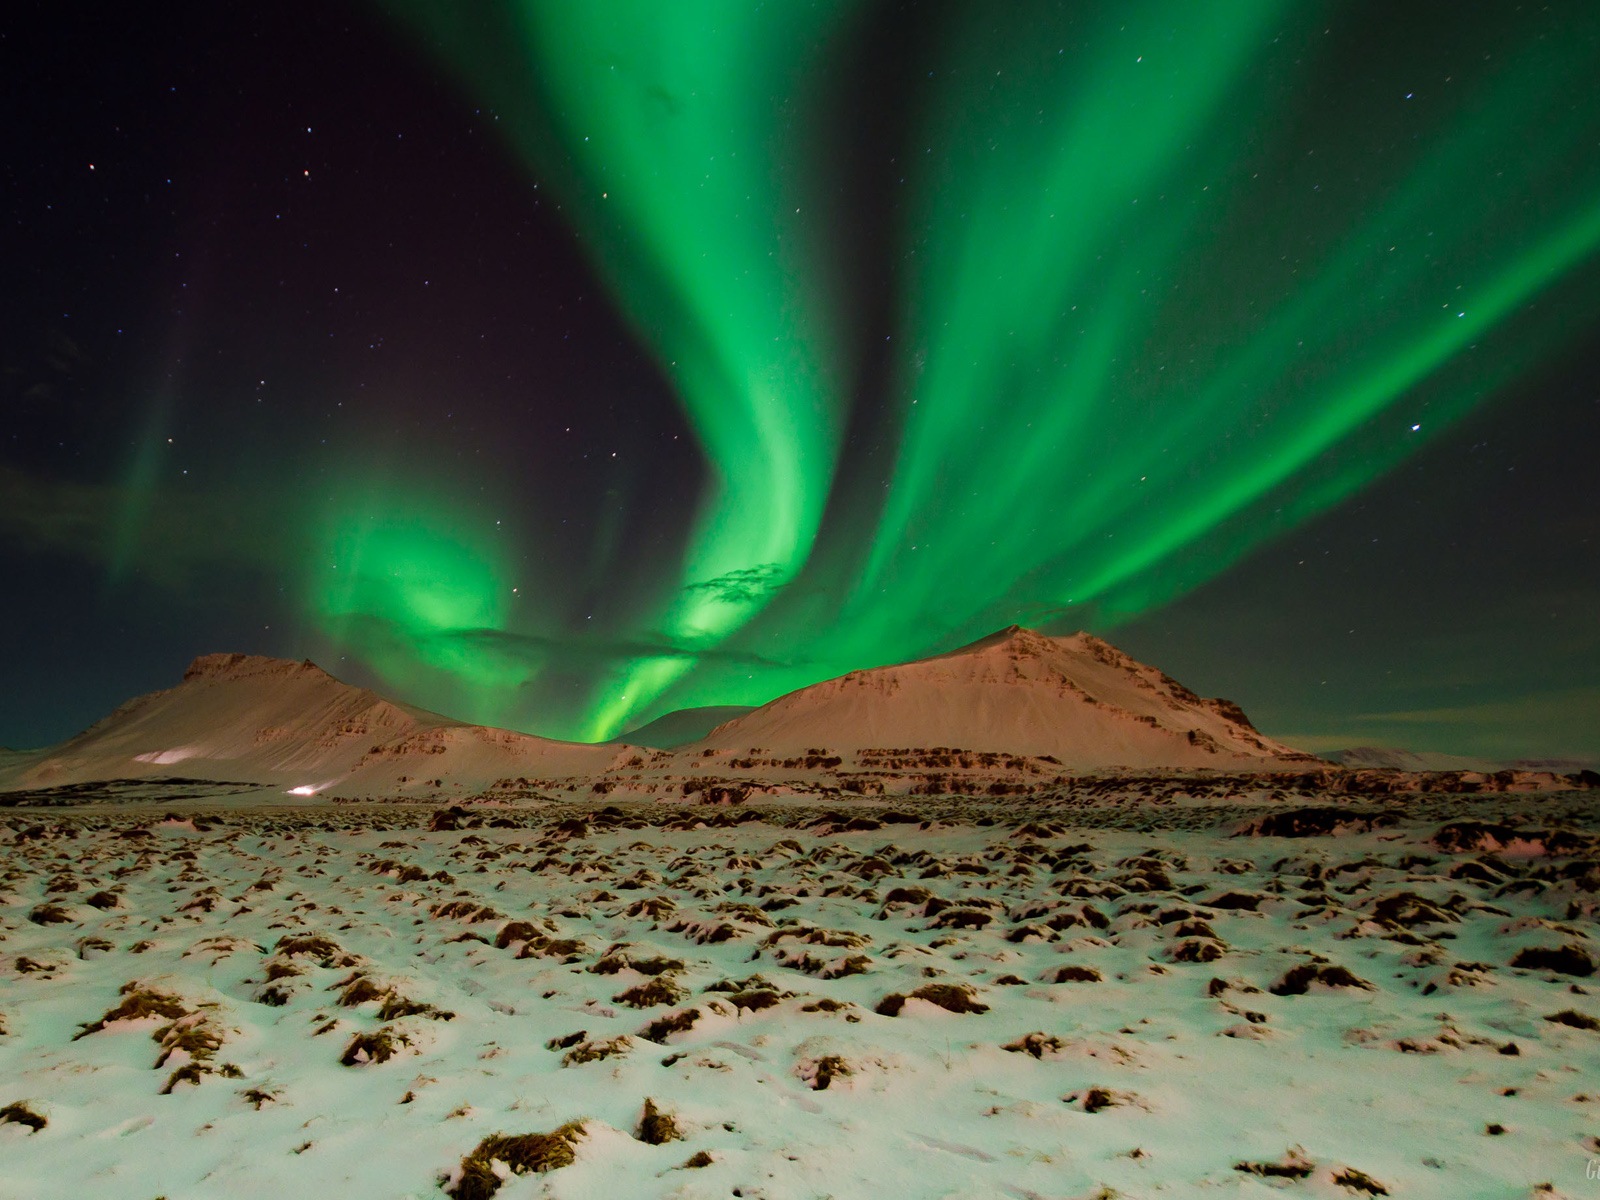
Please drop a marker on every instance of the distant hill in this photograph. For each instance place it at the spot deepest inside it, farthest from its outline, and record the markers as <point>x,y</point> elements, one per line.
<point>239,717</point>
<point>682,726</point>
<point>1393,758</point>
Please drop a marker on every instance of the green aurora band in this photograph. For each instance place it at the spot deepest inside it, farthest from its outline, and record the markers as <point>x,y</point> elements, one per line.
<point>1075,367</point>
<point>663,118</point>
<point>1151,311</point>
<point>405,581</point>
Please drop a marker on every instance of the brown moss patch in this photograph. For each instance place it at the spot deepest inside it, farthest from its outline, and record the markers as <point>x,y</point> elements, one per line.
<point>854,964</point>
<point>137,1003</point>
<point>465,910</point>
<point>378,1046</point>
<point>956,998</point>
<point>962,918</point>
<point>586,1052</point>
<point>819,1073</point>
<point>569,950</point>
<point>1298,980</point>
<point>20,1114</point>
<point>825,1004</point>
<point>90,947</point>
<point>191,1035</point>
<point>1036,1044</point>
<point>1197,950</point>
<point>324,951</point>
<point>755,999</point>
<point>650,994</point>
<point>1571,959</point>
<point>662,1028</point>
<point>1096,1099</point>
<point>657,1128</point>
<point>190,1073</point>
<point>705,932</point>
<point>522,1154</point>
<point>359,990</point>
<point>395,1006</point>
<point>274,995</point>
<point>1360,1182</point>
<point>1407,910</point>
<point>516,931</point>
<point>615,960</point>
<point>1577,1020</point>
<point>1293,1165</point>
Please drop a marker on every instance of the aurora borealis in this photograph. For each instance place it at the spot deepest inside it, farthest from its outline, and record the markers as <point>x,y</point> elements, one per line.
<point>564,365</point>
<point>666,113</point>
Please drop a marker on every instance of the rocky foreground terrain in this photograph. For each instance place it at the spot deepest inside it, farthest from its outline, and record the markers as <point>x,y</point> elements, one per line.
<point>1119,993</point>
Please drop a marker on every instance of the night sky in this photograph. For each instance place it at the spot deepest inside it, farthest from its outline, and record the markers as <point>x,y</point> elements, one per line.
<point>565,364</point>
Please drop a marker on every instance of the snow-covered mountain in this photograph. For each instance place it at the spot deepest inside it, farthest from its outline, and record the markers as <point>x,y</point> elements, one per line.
<point>240,717</point>
<point>291,725</point>
<point>1397,759</point>
<point>1077,699</point>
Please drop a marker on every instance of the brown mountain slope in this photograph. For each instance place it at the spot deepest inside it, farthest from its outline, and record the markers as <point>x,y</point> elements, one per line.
<point>245,718</point>
<point>1075,698</point>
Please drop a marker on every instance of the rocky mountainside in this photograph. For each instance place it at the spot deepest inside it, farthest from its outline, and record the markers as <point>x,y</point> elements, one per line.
<point>1044,705</point>
<point>1076,699</point>
<point>240,717</point>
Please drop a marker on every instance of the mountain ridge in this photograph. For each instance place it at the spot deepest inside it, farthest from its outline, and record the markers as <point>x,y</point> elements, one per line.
<point>1077,702</point>
<point>1076,698</point>
<point>289,723</point>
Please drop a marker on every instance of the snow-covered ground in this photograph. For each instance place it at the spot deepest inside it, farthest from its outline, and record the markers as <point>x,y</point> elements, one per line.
<point>265,946</point>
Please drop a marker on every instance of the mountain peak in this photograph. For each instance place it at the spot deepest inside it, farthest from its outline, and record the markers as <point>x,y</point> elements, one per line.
<point>1012,639</point>
<point>1021,642</point>
<point>287,723</point>
<point>248,666</point>
<point>1078,699</point>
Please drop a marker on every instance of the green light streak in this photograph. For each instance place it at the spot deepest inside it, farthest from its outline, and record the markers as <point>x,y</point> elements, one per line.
<point>669,120</point>
<point>1083,405</point>
<point>400,579</point>
<point>1365,396</point>
<point>1019,216</point>
<point>1154,308</point>
<point>141,483</point>
<point>1372,359</point>
<point>666,111</point>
